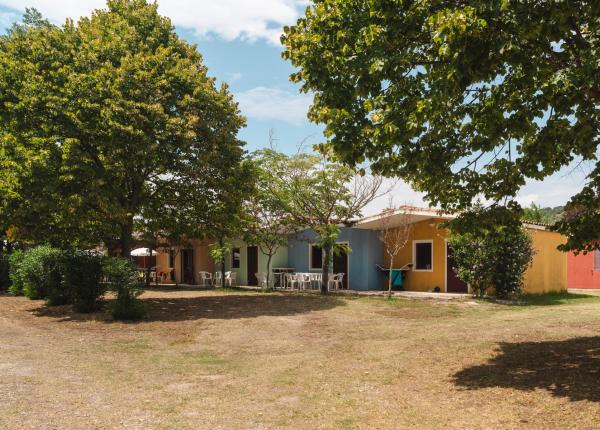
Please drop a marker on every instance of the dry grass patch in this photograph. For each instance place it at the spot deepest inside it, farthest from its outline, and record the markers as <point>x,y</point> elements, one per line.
<point>231,359</point>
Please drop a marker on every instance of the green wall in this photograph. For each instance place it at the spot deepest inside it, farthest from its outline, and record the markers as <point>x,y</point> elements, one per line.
<point>280,259</point>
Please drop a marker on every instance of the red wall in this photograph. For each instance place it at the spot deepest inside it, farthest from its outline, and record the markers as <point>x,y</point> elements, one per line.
<point>580,271</point>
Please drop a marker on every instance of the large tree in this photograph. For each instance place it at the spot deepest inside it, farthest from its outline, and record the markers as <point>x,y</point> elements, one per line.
<point>460,98</point>
<point>99,119</point>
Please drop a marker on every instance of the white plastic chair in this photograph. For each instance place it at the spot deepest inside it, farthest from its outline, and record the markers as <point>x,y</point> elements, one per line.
<point>315,280</point>
<point>217,279</point>
<point>291,280</point>
<point>336,282</point>
<point>206,279</point>
<point>230,280</point>
<point>304,281</point>
<point>261,277</point>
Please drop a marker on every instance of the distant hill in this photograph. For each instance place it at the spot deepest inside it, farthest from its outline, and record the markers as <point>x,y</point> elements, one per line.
<point>547,215</point>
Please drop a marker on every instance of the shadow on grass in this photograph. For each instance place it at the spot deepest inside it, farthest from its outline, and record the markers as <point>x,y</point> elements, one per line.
<point>227,306</point>
<point>568,368</point>
<point>178,289</point>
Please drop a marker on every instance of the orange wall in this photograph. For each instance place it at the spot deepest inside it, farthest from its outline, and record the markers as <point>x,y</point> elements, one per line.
<point>202,260</point>
<point>581,273</point>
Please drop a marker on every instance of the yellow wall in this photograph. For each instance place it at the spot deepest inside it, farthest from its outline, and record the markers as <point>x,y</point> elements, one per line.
<point>548,271</point>
<point>424,281</point>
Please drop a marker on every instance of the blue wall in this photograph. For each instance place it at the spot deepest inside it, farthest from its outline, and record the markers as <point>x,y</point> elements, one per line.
<point>367,251</point>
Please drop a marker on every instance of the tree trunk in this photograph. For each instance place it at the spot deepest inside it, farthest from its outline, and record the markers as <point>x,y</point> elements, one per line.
<point>390,277</point>
<point>221,244</point>
<point>126,238</point>
<point>325,271</point>
<point>269,271</point>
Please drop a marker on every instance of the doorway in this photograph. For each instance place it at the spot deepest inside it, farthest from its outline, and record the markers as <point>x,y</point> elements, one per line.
<point>453,283</point>
<point>187,266</point>
<point>340,265</point>
<point>252,257</point>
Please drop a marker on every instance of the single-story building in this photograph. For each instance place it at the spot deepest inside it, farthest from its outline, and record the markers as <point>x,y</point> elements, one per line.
<point>428,252</point>
<point>359,267</point>
<point>584,270</point>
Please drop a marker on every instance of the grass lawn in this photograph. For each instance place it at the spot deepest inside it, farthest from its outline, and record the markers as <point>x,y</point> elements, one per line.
<point>245,360</point>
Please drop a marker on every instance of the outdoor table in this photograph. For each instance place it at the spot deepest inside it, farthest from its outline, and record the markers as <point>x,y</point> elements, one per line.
<point>279,275</point>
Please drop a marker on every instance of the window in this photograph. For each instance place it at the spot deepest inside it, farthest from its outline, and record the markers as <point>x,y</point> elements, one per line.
<point>423,255</point>
<point>597,259</point>
<point>235,258</point>
<point>315,257</point>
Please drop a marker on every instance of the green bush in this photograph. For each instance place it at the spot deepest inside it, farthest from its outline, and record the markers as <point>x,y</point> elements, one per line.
<point>494,258</point>
<point>124,282</point>
<point>15,273</point>
<point>82,281</point>
<point>41,270</point>
<point>4,268</point>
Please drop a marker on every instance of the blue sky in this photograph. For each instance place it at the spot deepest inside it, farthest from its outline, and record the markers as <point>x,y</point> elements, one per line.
<point>239,42</point>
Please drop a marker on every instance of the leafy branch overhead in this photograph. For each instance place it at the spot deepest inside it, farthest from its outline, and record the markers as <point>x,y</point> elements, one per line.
<point>461,99</point>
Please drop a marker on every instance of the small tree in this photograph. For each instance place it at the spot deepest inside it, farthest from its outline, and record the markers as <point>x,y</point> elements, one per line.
<point>218,252</point>
<point>322,194</point>
<point>269,222</point>
<point>395,232</point>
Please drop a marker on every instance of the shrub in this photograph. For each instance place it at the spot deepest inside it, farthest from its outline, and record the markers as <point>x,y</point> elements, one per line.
<point>15,272</point>
<point>515,252</point>
<point>124,282</point>
<point>4,268</point>
<point>41,271</point>
<point>496,258</point>
<point>82,276</point>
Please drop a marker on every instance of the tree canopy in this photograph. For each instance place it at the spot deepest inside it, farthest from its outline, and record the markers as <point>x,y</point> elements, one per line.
<point>462,99</point>
<point>102,118</point>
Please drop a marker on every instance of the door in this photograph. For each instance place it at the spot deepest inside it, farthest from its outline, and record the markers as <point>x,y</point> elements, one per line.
<point>252,256</point>
<point>187,266</point>
<point>340,265</point>
<point>453,284</point>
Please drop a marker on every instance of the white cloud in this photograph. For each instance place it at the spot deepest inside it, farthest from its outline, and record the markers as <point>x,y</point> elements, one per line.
<point>228,19</point>
<point>274,104</point>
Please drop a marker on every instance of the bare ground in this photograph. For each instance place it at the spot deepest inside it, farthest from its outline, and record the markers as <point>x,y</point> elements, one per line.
<point>235,360</point>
